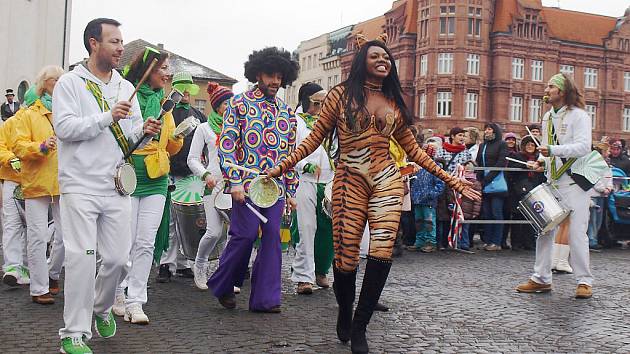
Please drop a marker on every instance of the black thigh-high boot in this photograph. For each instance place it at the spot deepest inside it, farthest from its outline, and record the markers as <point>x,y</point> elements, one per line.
<point>376,272</point>
<point>345,289</point>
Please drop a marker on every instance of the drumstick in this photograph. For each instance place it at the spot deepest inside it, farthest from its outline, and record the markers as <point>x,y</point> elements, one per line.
<point>246,169</point>
<point>533,137</point>
<point>144,78</point>
<point>517,161</point>
<point>259,215</point>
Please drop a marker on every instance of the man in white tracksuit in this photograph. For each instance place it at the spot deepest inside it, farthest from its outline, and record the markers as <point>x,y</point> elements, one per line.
<point>314,255</point>
<point>572,139</point>
<point>88,102</point>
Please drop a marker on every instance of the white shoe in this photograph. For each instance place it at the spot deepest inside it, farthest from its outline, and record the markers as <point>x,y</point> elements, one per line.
<point>119,305</point>
<point>237,290</point>
<point>24,278</point>
<point>200,277</point>
<point>135,315</point>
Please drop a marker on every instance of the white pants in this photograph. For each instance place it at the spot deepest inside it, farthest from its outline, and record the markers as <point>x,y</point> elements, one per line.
<point>304,261</point>
<point>173,256</point>
<point>13,236</point>
<point>578,200</point>
<point>37,237</point>
<point>93,223</point>
<point>214,229</point>
<point>365,242</point>
<point>146,216</point>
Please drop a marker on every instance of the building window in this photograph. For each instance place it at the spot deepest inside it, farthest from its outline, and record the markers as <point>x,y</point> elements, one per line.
<point>424,23</point>
<point>591,109</point>
<point>309,62</point>
<point>422,105</point>
<point>626,81</point>
<point>473,64</point>
<point>424,64</point>
<point>535,109</point>
<point>445,63</point>
<point>447,20</point>
<point>567,70</point>
<point>590,78</point>
<point>471,105</point>
<point>336,80</point>
<point>474,21</point>
<point>537,70</point>
<point>626,119</point>
<point>329,82</point>
<point>516,109</point>
<point>200,105</point>
<point>518,67</point>
<point>444,103</point>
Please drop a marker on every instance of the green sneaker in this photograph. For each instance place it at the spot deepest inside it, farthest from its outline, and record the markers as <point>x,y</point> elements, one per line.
<point>25,276</point>
<point>74,345</point>
<point>105,328</point>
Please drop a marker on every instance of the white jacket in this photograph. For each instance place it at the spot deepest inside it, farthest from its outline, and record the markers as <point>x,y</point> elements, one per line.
<point>573,128</point>
<point>88,151</point>
<point>204,137</point>
<point>319,157</point>
<point>605,182</point>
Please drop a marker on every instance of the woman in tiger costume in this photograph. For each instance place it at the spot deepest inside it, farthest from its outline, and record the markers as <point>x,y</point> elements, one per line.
<point>366,110</point>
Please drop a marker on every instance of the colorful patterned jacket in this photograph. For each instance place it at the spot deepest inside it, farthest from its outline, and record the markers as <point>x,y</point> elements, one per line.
<point>258,133</point>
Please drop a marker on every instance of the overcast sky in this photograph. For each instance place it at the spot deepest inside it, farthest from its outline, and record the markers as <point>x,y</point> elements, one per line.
<point>221,34</point>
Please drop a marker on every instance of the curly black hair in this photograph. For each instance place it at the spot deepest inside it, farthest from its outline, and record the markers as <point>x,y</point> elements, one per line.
<point>272,60</point>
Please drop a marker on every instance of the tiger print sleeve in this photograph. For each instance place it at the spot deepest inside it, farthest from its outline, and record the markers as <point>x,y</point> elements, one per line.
<point>325,123</point>
<point>405,138</point>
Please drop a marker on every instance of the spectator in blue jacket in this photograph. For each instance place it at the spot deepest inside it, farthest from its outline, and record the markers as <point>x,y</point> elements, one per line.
<point>425,189</point>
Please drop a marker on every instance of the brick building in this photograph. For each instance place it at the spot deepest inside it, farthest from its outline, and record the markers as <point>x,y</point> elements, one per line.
<point>467,62</point>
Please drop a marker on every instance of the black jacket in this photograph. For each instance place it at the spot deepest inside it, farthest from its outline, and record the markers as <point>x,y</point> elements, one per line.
<point>495,153</point>
<point>179,166</point>
<point>621,162</point>
<point>6,112</point>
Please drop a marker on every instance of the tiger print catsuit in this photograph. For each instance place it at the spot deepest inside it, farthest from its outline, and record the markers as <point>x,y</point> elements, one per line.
<point>367,183</point>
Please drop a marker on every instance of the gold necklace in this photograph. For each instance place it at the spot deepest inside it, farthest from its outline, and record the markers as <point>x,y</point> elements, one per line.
<point>373,87</point>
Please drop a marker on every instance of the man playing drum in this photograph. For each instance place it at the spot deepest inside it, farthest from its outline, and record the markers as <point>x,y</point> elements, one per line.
<point>258,132</point>
<point>566,134</point>
<point>314,252</point>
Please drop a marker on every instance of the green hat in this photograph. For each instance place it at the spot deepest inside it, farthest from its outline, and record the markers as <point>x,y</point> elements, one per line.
<point>183,82</point>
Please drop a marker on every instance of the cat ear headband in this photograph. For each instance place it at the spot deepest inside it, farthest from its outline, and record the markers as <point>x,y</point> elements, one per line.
<point>361,39</point>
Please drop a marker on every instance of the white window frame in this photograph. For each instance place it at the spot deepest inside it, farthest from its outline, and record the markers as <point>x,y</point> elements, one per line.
<point>444,104</point>
<point>471,105</point>
<point>535,110</point>
<point>568,70</point>
<point>450,23</point>
<point>518,68</point>
<point>422,105</point>
<point>626,81</point>
<point>516,109</point>
<point>590,78</point>
<point>445,63</point>
<point>202,108</point>
<point>473,63</point>
<point>591,109</point>
<point>424,64</point>
<point>537,70</point>
<point>626,118</point>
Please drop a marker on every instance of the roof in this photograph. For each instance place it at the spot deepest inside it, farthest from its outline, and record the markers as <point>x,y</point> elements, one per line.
<point>567,25</point>
<point>370,28</point>
<point>177,62</point>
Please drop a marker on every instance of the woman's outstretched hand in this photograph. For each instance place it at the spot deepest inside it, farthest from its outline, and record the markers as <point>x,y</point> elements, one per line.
<point>469,192</point>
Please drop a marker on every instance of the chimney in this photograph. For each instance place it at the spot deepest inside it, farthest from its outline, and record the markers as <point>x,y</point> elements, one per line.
<point>160,45</point>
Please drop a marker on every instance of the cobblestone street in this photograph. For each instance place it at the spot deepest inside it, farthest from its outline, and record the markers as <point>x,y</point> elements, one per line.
<point>441,302</point>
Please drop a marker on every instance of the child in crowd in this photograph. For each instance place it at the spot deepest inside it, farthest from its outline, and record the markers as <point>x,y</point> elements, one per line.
<point>425,189</point>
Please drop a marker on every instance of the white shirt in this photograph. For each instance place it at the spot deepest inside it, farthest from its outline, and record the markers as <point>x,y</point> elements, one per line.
<point>319,157</point>
<point>204,137</point>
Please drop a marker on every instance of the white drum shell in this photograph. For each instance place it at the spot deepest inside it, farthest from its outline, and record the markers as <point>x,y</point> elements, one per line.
<point>543,206</point>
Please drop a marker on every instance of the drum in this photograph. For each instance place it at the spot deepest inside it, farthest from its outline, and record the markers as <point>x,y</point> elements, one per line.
<point>223,205</point>
<point>189,214</point>
<point>543,206</point>
<point>264,192</point>
<point>187,126</point>
<point>125,179</point>
<point>327,201</point>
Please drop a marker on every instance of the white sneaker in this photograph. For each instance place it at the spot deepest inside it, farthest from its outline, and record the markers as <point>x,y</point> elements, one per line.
<point>119,305</point>
<point>135,315</point>
<point>237,290</point>
<point>25,276</point>
<point>200,277</point>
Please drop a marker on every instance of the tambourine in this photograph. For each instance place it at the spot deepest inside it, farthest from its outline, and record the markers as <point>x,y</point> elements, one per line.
<point>264,192</point>
<point>125,179</point>
<point>187,126</point>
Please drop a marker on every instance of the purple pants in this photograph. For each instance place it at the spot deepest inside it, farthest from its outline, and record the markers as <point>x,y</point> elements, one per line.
<point>265,279</point>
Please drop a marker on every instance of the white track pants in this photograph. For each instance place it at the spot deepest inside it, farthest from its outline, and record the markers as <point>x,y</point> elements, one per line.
<point>37,237</point>
<point>578,200</point>
<point>214,229</point>
<point>93,223</point>
<point>304,261</point>
<point>13,235</point>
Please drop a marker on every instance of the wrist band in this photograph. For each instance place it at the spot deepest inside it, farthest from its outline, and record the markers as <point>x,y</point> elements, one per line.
<point>43,148</point>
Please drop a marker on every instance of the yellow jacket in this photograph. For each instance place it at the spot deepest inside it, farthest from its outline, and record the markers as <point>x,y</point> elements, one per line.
<point>158,152</point>
<point>39,170</point>
<point>7,143</point>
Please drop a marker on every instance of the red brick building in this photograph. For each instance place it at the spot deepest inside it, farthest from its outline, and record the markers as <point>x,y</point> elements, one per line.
<point>467,62</point>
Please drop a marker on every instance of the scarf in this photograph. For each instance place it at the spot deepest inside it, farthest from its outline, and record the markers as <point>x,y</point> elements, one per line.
<point>215,121</point>
<point>453,149</point>
<point>530,157</point>
<point>46,100</point>
<point>183,105</point>
<point>149,100</point>
<point>308,119</point>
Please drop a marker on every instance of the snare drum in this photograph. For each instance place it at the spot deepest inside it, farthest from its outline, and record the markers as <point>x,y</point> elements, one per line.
<point>327,201</point>
<point>264,192</point>
<point>189,214</point>
<point>544,207</point>
<point>223,205</point>
<point>125,179</point>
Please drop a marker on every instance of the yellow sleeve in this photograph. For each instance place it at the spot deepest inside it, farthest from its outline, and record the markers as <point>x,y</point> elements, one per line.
<point>174,144</point>
<point>25,148</point>
<point>5,154</point>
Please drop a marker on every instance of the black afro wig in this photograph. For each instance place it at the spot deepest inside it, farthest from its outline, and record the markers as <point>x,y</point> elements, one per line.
<point>272,60</point>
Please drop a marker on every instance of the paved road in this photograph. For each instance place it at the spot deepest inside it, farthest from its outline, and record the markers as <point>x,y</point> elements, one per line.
<point>442,302</point>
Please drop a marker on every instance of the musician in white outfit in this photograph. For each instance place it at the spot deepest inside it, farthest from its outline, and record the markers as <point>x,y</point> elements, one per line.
<point>566,134</point>
<point>205,143</point>
<point>314,252</point>
<point>88,103</point>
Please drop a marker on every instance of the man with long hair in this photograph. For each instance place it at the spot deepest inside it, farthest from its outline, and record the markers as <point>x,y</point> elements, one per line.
<point>259,131</point>
<point>566,135</point>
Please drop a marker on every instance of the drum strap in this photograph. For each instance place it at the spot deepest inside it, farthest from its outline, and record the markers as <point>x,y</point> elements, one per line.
<point>553,140</point>
<point>115,128</point>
